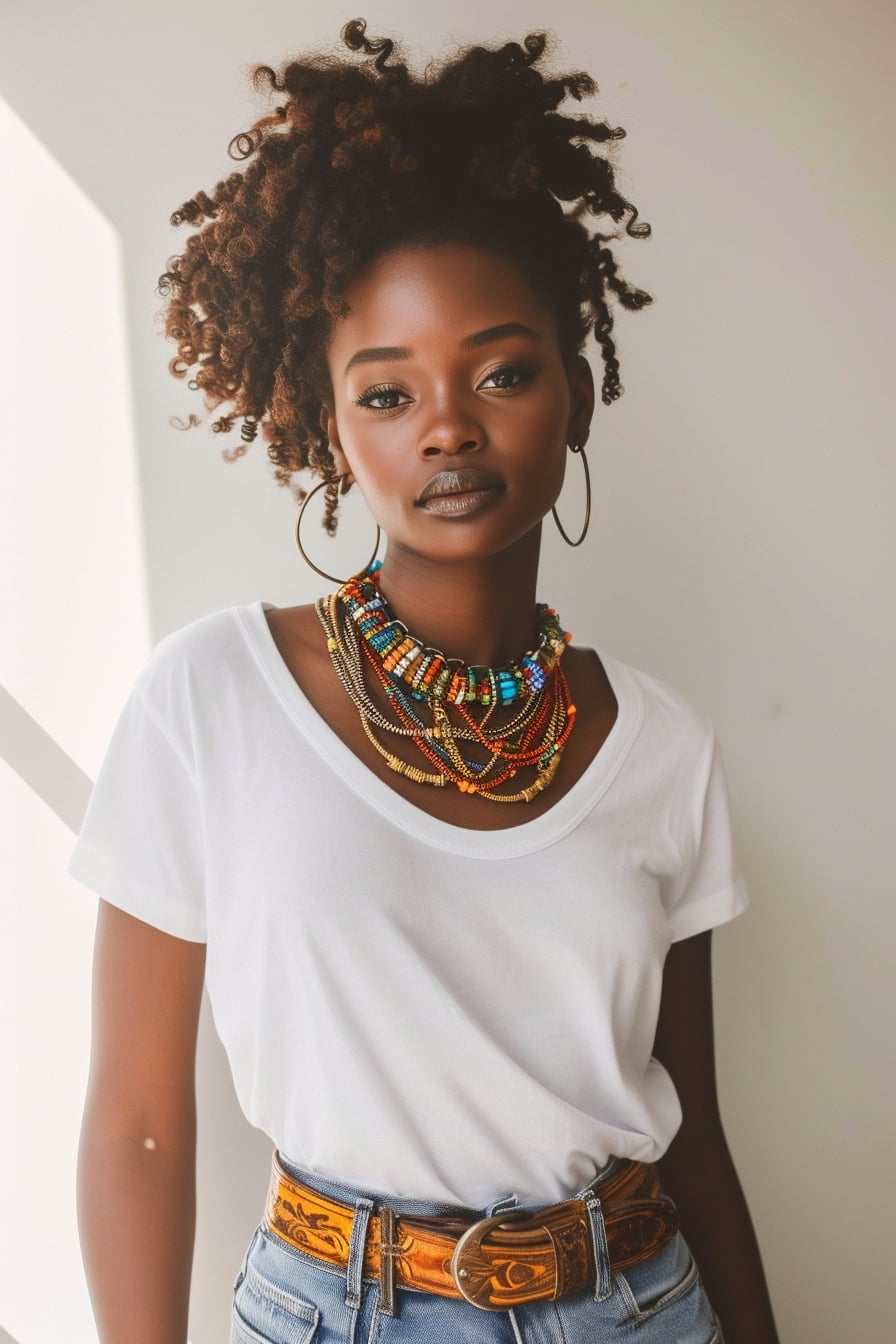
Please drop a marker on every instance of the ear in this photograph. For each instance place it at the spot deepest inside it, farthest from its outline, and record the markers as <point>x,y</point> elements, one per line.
<point>331,429</point>
<point>582,399</point>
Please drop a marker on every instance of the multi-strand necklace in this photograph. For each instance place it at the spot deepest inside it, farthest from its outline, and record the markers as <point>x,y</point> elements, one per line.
<point>421,684</point>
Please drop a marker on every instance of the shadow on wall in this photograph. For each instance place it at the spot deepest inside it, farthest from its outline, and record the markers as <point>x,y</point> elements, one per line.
<point>41,763</point>
<point>73,595</point>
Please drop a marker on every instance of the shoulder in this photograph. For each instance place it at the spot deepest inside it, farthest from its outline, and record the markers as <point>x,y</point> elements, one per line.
<point>193,662</point>
<point>671,724</point>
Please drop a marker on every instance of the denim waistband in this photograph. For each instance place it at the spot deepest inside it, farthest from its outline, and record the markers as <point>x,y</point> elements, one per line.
<point>423,1208</point>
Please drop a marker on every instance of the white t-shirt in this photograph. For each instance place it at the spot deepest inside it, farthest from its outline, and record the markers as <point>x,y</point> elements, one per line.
<point>408,1006</point>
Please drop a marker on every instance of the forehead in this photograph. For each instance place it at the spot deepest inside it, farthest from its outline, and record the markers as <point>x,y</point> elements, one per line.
<point>455,287</point>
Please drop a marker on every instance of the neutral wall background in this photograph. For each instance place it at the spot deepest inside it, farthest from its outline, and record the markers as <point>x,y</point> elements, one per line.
<point>742,543</point>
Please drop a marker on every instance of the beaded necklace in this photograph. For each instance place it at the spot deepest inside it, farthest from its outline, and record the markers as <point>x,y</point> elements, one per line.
<point>427,673</point>
<point>361,630</point>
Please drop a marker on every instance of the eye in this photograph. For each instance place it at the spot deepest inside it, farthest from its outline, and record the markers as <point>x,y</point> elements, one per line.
<point>384,393</point>
<point>508,377</point>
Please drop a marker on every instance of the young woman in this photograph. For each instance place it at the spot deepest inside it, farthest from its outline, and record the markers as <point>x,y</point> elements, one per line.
<point>449,878</point>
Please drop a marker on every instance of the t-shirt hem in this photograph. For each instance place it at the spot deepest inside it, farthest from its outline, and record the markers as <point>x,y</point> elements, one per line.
<point>108,881</point>
<point>717,908</point>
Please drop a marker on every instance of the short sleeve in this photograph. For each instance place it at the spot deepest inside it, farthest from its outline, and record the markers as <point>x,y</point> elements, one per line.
<point>140,846</point>
<point>708,889</point>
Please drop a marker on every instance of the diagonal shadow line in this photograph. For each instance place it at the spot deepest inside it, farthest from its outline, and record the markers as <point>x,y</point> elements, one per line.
<point>5,1337</point>
<point>40,761</point>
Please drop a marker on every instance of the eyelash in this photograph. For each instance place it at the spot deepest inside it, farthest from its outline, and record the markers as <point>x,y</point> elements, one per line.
<point>524,374</point>
<point>366,398</point>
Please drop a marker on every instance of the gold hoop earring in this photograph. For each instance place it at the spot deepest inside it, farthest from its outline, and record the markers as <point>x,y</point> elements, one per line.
<point>302,552</point>
<point>578,448</point>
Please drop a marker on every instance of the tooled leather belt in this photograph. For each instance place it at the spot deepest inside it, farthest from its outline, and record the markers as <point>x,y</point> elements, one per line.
<point>495,1263</point>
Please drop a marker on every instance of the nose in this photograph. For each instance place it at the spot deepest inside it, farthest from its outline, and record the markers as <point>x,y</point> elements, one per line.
<point>449,432</point>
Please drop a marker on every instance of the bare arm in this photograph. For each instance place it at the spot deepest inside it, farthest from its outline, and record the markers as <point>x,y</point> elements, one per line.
<point>697,1171</point>
<point>136,1163</point>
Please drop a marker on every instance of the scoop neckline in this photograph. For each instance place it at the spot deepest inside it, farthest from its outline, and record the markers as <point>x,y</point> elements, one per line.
<point>524,837</point>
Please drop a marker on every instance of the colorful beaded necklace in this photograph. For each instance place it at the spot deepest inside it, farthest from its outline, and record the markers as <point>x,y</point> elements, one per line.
<point>361,630</point>
<point>426,672</point>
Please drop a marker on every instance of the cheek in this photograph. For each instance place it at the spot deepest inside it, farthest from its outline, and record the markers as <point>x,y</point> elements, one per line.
<point>359,458</point>
<point>378,481</point>
<point>544,449</point>
<point>554,476</point>
<point>547,418</point>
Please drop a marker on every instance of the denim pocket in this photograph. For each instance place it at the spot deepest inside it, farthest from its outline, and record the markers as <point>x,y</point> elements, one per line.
<point>663,1298</point>
<point>669,1282</point>
<point>656,1283</point>
<point>264,1313</point>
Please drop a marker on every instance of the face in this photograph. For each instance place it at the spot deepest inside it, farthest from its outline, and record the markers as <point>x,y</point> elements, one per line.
<point>452,405</point>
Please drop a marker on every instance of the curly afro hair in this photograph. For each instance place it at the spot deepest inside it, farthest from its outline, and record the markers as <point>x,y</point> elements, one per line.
<point>358,158</point>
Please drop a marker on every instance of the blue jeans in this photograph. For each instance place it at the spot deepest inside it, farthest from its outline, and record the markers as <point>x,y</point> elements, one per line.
<point>283,1296</point>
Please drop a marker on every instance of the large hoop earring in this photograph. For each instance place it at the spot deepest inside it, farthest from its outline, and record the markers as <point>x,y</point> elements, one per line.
<point>578,448</point>
<point>304,554</point>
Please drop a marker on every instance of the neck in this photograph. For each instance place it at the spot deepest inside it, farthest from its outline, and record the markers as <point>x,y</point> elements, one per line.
<point>481,611</point>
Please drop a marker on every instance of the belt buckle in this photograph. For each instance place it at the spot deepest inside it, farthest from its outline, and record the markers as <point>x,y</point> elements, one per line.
<point>471,1272</point>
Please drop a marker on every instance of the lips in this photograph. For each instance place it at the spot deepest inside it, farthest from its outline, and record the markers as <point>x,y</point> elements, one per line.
<point>468,481</point>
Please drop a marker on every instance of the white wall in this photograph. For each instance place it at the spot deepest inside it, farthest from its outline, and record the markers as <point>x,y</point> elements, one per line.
<point>742,544</point>
<point>73,633</point>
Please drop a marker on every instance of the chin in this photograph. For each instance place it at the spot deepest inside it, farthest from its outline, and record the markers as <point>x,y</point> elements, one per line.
<point>464,544</point>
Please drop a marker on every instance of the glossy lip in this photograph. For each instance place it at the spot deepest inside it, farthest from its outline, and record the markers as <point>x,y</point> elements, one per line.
<point>468,481</point>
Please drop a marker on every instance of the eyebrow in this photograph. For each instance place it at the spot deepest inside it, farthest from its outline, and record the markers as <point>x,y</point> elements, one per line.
<point>478,338</point>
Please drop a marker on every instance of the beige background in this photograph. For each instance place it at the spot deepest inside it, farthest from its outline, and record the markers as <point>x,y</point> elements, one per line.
<point>741,545</point>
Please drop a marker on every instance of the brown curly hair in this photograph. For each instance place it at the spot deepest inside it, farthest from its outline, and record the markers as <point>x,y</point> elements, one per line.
<point>359,158</point>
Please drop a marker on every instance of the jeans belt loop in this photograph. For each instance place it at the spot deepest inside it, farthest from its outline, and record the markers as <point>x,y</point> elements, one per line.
<point>389,1249</point>
<point>502,1205</point>
<point>603,1274</point>
<point>357,1244</point>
